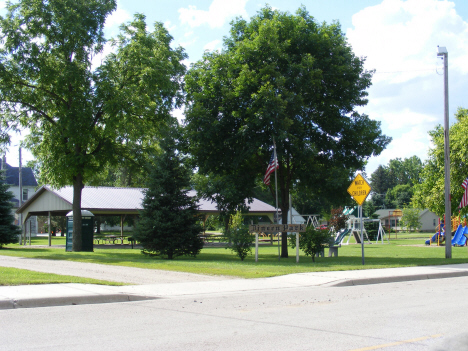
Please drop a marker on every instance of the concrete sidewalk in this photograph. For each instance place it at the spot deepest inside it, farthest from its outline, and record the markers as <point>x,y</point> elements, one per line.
<point>73,294</point>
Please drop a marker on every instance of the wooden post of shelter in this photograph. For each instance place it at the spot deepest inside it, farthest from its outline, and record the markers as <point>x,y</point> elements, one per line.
<point>49,234</point>
<point>122,217</point>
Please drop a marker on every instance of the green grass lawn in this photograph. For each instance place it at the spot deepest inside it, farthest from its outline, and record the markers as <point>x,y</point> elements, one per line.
<point>15,276</point>
<point>407,250</point>
<point>43,240</point>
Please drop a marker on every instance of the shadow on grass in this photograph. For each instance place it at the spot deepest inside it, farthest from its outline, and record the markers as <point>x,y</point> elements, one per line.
<point>376,256</point>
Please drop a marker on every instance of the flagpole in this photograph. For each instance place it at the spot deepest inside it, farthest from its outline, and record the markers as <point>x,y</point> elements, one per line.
<point>276,191</point>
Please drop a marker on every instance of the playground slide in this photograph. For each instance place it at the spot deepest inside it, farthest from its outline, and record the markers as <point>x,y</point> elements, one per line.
<point>357,237</point>
<point>341,235</point>
<point>462,241</point>
<point>434,237</point>
<point>458,235</point>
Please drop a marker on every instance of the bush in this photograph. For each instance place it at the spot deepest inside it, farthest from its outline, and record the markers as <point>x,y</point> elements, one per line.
<point>239,238</point>
<point>337,220</point>
<point>312,241</point>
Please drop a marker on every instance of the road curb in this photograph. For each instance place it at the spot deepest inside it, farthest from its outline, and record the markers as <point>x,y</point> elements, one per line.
<point>397,279</point>
<point>70,300</point>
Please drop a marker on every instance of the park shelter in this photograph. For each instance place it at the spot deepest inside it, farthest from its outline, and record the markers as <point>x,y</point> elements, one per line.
<point>110,201</point>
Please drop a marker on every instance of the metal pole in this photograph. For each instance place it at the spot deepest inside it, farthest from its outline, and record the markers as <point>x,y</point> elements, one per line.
<point>362,234</point>
<point>448,210</point>
<point>276,190</point>
<point>20,198</point>
<point>442,51</point>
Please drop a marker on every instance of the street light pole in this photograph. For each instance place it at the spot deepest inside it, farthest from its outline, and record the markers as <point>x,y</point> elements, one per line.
<point>442,51</point>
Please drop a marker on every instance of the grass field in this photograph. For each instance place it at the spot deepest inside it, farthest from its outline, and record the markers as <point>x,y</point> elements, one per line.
<point>407,250</point>
<point>15,276</point>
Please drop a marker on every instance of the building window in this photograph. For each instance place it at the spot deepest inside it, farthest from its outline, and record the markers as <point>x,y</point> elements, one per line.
<point>25,194</point>
<point>434,222</point>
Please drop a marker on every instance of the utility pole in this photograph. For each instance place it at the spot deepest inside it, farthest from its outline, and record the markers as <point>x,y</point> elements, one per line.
<point>20,199</point>
<point>442,52</point>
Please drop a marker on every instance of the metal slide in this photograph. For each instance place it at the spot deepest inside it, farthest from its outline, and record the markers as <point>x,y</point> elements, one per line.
<point>341,235</point>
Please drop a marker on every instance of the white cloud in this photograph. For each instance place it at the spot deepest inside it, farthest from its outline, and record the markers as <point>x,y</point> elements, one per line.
<point>99,59</point>
<point>179,114</point>
<point>188,39</point>
<point>402,36</point>
<point>213,45</point>
<point>169,26</point>
<point>219,12</point>
<point>413,142</point>
<point>404,119</point>
<point>12,155</point>
<point>116,18</point>
<point>399,39</point>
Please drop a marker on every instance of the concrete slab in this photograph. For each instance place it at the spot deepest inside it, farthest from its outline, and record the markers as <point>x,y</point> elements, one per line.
<point>73,294</point>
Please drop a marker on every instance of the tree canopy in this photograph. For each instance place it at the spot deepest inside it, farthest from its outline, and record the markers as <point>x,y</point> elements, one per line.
<point>430,193</point>
<point>287,79</point>
<point>83,117</point>
<point>392,184</point>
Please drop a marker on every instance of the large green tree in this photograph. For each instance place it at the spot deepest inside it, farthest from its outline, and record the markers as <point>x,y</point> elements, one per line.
<point>406,171</point>
<point>289,79</point>
<point>82,117</point>
<point>169,222</point>
<point>397,175</point>
<point>399,196</point>
<point>430,193</point>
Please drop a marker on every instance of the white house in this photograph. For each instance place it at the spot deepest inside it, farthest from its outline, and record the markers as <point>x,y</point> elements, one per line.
<point>391,219</point>
<point>429,221</point>
<point>29,185</point>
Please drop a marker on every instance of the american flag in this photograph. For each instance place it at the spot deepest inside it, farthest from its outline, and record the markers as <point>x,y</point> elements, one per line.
<point>271,168</point>
<point>465,183</point>
<point>464,200</point>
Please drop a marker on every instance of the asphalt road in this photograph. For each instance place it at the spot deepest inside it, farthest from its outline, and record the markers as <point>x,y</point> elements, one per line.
<point>416,315</point>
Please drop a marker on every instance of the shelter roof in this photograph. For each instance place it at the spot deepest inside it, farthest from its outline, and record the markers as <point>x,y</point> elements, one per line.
<point>109,201</point>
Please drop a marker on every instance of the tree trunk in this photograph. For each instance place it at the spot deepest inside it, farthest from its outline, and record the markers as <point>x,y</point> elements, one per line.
<point>77,244</point>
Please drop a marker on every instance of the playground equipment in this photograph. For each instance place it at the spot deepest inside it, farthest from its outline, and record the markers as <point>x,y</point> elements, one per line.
<point>459,231</point>
<point>341,235</point>
<point>355,230</point>
<point>312,220</point>
<point>439,236</point>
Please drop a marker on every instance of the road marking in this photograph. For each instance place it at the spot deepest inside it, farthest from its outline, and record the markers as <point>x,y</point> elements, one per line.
<point>398,343</point>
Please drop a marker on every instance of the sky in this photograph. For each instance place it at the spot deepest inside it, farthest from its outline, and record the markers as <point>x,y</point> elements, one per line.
<point>398,38</point>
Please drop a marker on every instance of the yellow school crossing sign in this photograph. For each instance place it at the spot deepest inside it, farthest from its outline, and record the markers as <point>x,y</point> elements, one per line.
<point>359,189</point>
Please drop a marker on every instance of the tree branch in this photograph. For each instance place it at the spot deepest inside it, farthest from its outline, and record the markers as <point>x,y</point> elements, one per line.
<point>33,108</point>
<point>46,90</point>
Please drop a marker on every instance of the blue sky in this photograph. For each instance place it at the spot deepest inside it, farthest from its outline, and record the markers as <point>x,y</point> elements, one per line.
<point>398,37</point>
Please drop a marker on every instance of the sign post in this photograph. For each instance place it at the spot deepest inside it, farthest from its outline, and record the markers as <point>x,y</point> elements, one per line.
<point>359,190</point>
<point>274,228</point>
